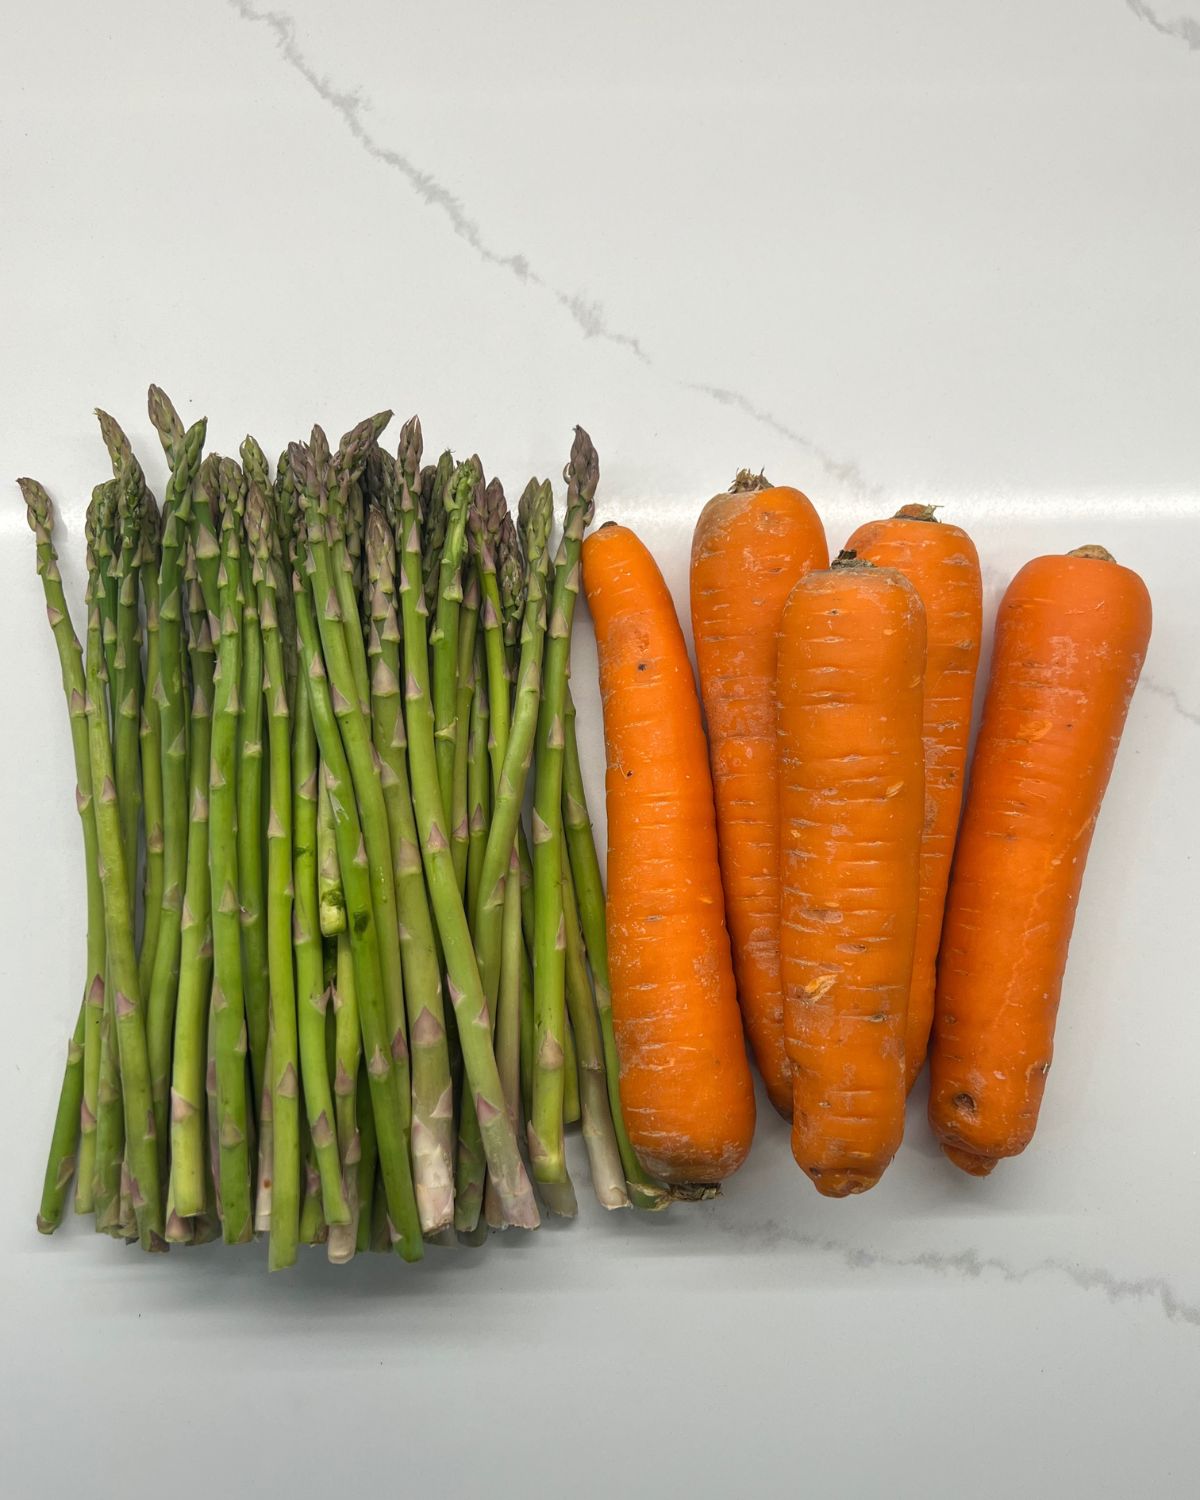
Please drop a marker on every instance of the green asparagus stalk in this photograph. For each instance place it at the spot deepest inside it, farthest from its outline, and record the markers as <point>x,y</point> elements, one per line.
<point>150,753</point>
<point>74,1136</point>
<point>536,516</point>
<point>64,1138</point>
<point>571,1105</point>
<point>313,1230</point>
<point>470,1171</point>
<point>435,483</point>
<point>380,1230</point>
<point>322,489</point>
<point>381,1042</point>
<point>343,1238</point>
<point>479,781</point>
<point>251,768</point>
<point>460,495</point>
<point>125,661</point>
<point>432,1095</point>
<point>549,954</point>
<point>644,1191</point>
<point>312,997</point>
<point>263,1185</point>
<point>466,990</point>
<point>87,1164</point>
<point>331,899</point>
<point>126,688</point>
<point>171,701</point>
<point>110,1119</point>
<point>177,1231</point>
<point>104,531</point>
<point>283,1086</point>
<point>599,1136</point>
<point>460,832</point>
<point>103,588</point>
<point>129,1021</point>
<point>487,521</point>
<point>195,1120</point>
<point>189,1170</point>
<point>228,1000</point>
<point>285,512</point>
<point>368,1162</point>
<point>346,532</point>
<point>508,1014</point>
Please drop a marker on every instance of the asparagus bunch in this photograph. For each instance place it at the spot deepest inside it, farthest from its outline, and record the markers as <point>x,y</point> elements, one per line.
<point>308,714</point>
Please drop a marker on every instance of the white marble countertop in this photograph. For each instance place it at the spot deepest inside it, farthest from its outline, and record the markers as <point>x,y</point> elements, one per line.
<point>945,250</point>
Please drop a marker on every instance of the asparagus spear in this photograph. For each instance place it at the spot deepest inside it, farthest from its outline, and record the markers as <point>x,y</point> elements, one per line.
<point>460,496</point>
<point>331,899</point>
<point>110,1117</point>
<point>104,510</point>
<point>389,1083</point>
<point>368,1161</point>
<point>314,1229</point>
<point>283,1088</point>
<point>432,1096</point>
<point>435,482</point>
<point>129,1022</point>
<point>150,753</point>
<point>460,832</point>
<point>228,999</point>
<point>470,1168</point>
<point>285,510</point>
<point>125,682</point>
<point>546,1128</point>
<point>487,521</point>
<point>479,784</point>
<point>311,994</point>
<point>189,1170</point>
<point>322,485</point>
<point>74,1135</point>
<point>599,1136</point>
<point>644,1191</point>
<point>263,1185</point>
<point>508,1007</point>
<point>343,1238</point>
<point>251,887</point>
<point>171,702</point>
<point>343,500</point>
<point>466,990</point>
<point>536,515</point>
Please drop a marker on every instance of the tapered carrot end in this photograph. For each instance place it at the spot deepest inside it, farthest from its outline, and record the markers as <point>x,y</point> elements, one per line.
<point>841,1184</point>
<point>969,1161</point>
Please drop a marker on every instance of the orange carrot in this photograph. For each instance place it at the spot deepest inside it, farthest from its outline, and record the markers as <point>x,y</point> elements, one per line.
<point>1071,634</point>
<point>851,656</point>
<point>750,546</point>
<point>942,565</point>
<point>685,1079</point>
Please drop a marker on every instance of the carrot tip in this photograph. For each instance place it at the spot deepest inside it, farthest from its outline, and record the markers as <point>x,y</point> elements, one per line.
<point>970,1161</point>
<point>695,1192</point>
<point>1093,550</point>
<point>747,481</point>
<point>840,1184</point>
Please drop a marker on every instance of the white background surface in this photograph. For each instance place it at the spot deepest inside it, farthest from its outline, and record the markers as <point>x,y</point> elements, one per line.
<point>944,251</point>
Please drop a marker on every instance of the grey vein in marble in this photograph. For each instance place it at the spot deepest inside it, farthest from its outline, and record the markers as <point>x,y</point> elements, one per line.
<point>770,1234</point>
<point>1184,28</point>
<point>1169,693</point>
<point>587,314</point>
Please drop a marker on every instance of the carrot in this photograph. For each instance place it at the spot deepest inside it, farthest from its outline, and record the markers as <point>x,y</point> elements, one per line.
<point>685,1079</point>
<point>851,656</point>
<point>750,546</point>
<point>1071,634</point>
<point>942,565</point>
